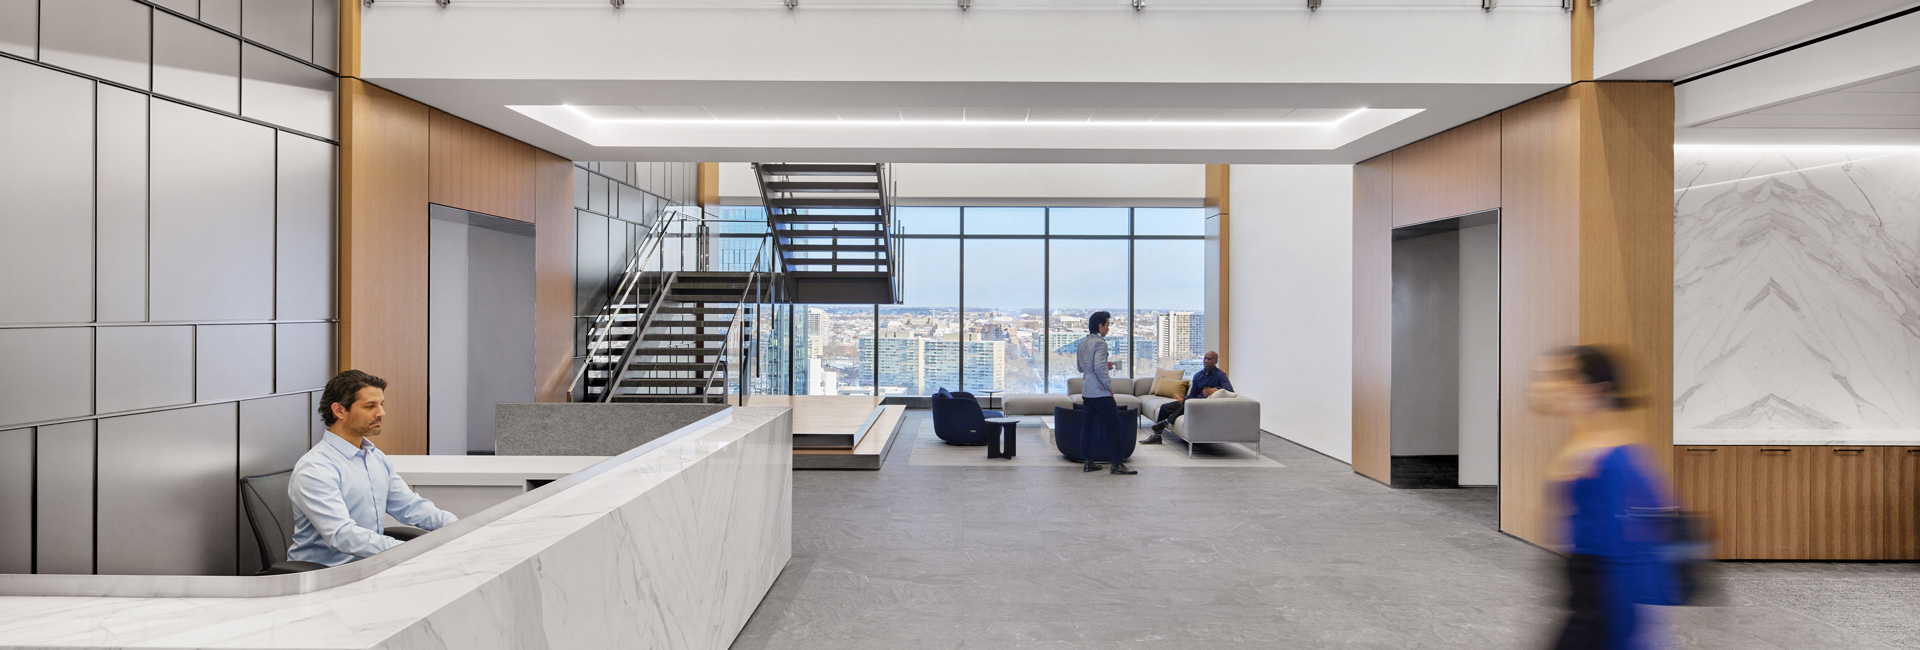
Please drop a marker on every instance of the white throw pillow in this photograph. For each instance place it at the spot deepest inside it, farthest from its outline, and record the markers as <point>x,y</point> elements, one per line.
<point>1223,394</point>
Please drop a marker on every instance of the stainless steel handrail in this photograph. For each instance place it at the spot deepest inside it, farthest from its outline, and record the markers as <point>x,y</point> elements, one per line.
<point>728,348</point>
<point>644,254</point>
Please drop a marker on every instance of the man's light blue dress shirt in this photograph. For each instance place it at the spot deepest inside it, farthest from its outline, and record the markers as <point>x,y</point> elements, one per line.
<point>339,493</point>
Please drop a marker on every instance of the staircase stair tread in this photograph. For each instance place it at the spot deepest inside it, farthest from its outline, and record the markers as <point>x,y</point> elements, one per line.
<point>820,169</point>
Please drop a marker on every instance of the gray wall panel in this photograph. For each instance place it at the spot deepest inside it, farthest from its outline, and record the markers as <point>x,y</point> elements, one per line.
<point>20,27</point>
<point>104,38</point>
<point>308,229</point>
<point>61,385</point>
<point>449,292</point>
<point>318,426</point>
<point>598,194</point>
<point>288,93</point>
<point>168,494</point>
<point>121,293</point>
<point>196,64</point>
<point>590,263</point>
<point>46,179</point>
<point>303,354</point>
<point>232,361</point>
<point>500,329</point>
<point>285,25</point>
<point>212,216</point>
<point>190,8</point>
<point>224,14</point>
<point>326,34</point>
<point>143,367</point>
<point>64,521</point>
<point>273,433</point>
<point>16,501</point>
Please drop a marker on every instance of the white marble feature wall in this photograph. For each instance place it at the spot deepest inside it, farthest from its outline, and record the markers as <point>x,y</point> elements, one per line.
<point>1796,295</point>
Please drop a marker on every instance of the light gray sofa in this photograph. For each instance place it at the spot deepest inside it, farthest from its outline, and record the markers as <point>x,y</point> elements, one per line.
<point>1127,393</point>
<point>1230,419</point>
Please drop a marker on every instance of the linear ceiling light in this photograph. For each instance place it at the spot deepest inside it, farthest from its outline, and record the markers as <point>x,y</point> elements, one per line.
<point>957,123</point>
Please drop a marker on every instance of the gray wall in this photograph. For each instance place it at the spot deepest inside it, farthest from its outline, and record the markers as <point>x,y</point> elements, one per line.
<point>169,178</point>
<point>481,314</point>
<point>614,202</point>
<point>1446,349</point>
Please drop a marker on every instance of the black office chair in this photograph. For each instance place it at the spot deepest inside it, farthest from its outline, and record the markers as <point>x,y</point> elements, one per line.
<point>270,515</point>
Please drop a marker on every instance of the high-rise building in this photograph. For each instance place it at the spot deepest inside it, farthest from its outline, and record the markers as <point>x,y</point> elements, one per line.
<point>902,361</point>
<point>816,331</point>
<point>1181,335</point>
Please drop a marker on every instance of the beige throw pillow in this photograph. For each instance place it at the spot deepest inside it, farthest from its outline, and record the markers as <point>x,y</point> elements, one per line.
<point>1168,384</point>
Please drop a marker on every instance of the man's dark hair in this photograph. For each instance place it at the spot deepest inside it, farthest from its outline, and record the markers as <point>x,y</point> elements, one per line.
<point>343,389</point>
<point>1096,320</point>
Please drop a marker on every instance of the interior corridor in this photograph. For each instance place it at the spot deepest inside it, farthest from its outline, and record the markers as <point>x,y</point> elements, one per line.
<point>1308,555</point>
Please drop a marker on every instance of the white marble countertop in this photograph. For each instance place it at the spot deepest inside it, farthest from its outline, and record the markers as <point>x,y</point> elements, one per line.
<point>1800,437</point>
<point>487,470</point>
<point>365,613</point>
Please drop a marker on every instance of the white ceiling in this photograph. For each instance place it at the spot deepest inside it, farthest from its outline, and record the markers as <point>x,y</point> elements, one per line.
<point>1859,88</point>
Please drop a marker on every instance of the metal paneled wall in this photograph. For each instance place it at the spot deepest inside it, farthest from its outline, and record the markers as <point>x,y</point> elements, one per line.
<point>212,229</point>
<point>16,501</point>
<point>179,222</point>
<point>46,175</point>
<point>143,367</point>
<point>168,492</point>
<point>232,361</point>
<point>120,184</point>
<point>196,64</point>
<point>64,475</point>
<point>107,39</point>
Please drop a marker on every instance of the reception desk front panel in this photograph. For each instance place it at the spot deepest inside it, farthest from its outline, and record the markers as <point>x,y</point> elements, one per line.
<point>673,548</point>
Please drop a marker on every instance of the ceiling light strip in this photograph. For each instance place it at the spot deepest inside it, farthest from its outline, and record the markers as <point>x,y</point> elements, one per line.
<point>947,123</point>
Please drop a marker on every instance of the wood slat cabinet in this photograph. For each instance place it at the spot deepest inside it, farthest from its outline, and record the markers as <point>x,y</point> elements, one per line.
<point>1851,502</point>
<point>1804,502</point>
<point>1703,480</point>
<point>1770,508</point>
<point>1903,524</point>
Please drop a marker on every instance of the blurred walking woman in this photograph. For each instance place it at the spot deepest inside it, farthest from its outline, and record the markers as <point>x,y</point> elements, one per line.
<point>1612,495</point>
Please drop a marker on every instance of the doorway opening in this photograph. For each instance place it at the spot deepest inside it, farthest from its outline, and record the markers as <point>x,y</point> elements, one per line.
<point>480,325</point>
<point>1446,353</point>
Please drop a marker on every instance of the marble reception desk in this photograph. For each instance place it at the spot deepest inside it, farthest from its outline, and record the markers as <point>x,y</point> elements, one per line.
<point>669,545</point>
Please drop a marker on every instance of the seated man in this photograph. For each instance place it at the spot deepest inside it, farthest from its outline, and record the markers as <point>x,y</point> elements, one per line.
<point>343,484</point>
<point>1210,378</point>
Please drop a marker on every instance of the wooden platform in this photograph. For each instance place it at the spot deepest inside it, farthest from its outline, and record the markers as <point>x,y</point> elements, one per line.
<point>846,417</point>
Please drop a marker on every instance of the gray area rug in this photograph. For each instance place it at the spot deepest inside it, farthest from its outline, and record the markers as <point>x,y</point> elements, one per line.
<point>1034,450</point>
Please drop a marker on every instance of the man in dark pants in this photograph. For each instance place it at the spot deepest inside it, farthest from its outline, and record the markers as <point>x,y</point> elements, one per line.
<point>1096,395</point>
<point>1210,378</point>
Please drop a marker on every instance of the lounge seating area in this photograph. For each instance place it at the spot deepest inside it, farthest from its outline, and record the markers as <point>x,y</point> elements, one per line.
<point>1210,420</point>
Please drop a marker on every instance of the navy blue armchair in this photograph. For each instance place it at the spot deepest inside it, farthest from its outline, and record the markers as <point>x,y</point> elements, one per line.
<point>1066,434</point>
<point>961,421</point>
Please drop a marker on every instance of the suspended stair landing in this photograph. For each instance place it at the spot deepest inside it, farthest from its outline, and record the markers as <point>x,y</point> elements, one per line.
<point>833,227</point>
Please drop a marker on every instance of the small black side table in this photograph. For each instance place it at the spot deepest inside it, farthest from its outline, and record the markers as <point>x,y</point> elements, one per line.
<point>995,440</point>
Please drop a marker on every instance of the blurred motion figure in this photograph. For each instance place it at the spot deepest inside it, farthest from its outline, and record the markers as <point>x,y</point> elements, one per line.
<point>1614,502</point>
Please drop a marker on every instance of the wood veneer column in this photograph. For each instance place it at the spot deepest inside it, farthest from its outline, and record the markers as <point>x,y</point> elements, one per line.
<point>383,262</point>
<point>1218,204</point>
<point>1373,191</point>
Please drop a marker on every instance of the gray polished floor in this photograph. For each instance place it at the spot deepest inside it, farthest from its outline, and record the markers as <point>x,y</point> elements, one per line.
<point>1306,556</point>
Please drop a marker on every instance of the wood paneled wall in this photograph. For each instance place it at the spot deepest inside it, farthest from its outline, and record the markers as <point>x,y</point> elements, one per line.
<point>1539,293</point>
<point>1373,318</point>
<point>383,253</point>
<point>1218,203</point>
<point>1450,174</point>
<point>1582,177</point>
<point>397,157</point>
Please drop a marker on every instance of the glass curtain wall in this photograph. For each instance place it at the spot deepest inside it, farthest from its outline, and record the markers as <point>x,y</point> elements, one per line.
<point>997,298</point>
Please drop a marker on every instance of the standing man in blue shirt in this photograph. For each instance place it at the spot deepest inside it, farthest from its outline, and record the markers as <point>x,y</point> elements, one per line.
<point>343,484</point>
<point>1210,378</point>
<point>1096,396</point>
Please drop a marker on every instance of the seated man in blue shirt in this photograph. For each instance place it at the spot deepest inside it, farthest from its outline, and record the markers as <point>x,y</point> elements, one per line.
<point>343,484</point>
<point>1210,378</point>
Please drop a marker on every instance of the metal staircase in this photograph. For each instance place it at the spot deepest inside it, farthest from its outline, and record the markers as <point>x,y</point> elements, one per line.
<point>832,226</point>
<point>670,336</point>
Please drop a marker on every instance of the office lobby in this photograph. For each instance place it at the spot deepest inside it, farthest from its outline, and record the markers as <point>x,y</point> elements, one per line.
<point>794,324</point>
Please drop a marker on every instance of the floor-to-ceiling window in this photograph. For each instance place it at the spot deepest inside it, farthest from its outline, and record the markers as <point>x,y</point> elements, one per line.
<point>998,298</point>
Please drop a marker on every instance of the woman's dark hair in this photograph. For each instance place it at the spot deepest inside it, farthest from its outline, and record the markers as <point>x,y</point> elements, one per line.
<point>1096,320</point>
<point>1596,366</point>
<point>343,389</point>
